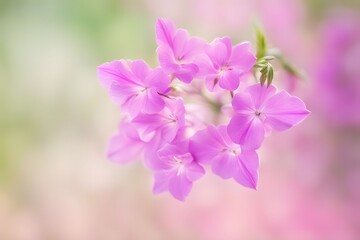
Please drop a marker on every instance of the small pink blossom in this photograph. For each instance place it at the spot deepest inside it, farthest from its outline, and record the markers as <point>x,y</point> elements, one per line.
<point>134,85</point>
<point>164,124</point>
<point>177,51</point>
<point>260,108</point>
<point>176,170</point>
<point>126,146</point>
<point>214,147</point>
<point>224,64</point>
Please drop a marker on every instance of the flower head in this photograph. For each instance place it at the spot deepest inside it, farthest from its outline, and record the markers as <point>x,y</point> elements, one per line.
<point>176,170</point>
<point>164,124</point>
<point>223,64</point>
<point>260,108</point>
<point>213,146</point>
<point>177,51</point>
<point>134,85</point>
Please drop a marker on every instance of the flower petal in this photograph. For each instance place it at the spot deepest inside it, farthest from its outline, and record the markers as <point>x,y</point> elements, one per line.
<point>224,165</point>
<point>161,182</point>
<point>211,82</point>
<point>241,57</point>
<point>247,170</point>
<point>125,146</point>
<point>180,187</point>
<point>186,72</point>
<point>206,144</point>
<point>157,79</point>
<point>135,103</point>
<point>248,131</point>
<point>260,94</point>
<point>140,69</point>
<point>229,80</point>
<point>194,46</point>
<point>180,40</point>
<point>165,31</point>
<point>284,111</point>
<point>167,60</point>
<point>147,125</point>
<point>115,71</point>
<point>153,102</point>
<point>243,103</point>
<point>218,52</point>
<point>169,131</point>
<point>194,171</point>
<point>205,65</point>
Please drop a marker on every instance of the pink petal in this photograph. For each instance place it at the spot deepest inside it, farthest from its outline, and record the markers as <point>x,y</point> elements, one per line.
<point>194,171</point>
<point>243,103</point>
<point>206,144</point>
<point>247,171</point>
<point>229,80</point>
<point>180,40</point>
<point>180,187</point>
<point>161,183</point>
<point>147,125</point>
<point>175,106</point>
<point>153,102</point>
<point>211,82</point>
<point>151,159</point>
<point>169,131</point>
<point>205,65</point>
<point>167,60</point>
<point>218,52</point>
<point>241,57</point>
<point>248,131</point>
<point>140,69</point>
<point>115,71</point>
<point>125,146</point>
<point>186,72</point>
<point>157,79</point>
<point>194,46</point>
<point>284,111</point>
<point>121,93</point>
<point>179,148</point>
<point>260,94</point>
<point>135,104</point>
<point>227,42</point>
<point>224,165</point>
<point>165,31</point>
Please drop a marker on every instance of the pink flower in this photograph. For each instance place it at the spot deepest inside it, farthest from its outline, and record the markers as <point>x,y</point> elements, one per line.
<point>260,108</point>
<point>223,64</point>
<point>134,86</point>
<point>337,71</point>
<point>126,146</point>
<point>177,51</point>
<point>165,124</point>
<point>176,170</point>
<point>213,146</point>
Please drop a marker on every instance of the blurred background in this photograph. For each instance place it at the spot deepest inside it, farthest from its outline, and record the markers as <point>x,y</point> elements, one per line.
<point>55,121</point>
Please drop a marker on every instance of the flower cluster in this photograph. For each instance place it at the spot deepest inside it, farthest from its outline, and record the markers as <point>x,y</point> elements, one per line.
<point>197,109</point>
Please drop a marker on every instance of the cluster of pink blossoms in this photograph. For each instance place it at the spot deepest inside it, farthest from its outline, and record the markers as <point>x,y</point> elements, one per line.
<point>178,117</point>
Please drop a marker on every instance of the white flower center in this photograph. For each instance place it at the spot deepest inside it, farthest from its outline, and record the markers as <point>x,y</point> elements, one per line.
<point>179,164</point>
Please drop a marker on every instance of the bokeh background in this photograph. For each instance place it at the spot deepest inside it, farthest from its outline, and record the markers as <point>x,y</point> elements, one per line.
<point>55,121</point>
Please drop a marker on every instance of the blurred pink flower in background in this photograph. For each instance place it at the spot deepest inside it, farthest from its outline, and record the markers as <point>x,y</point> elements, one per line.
<point>338,70</point>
